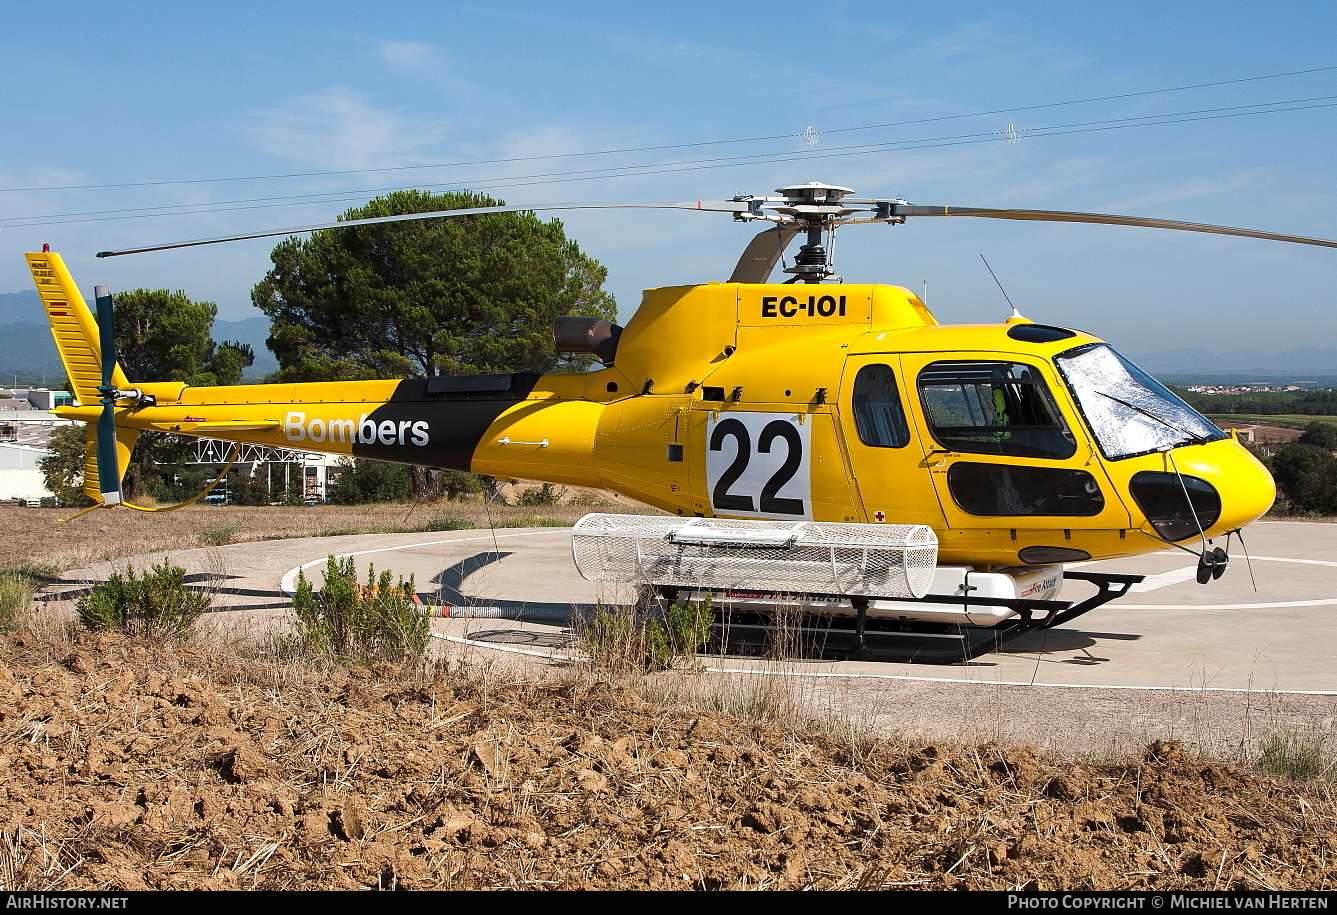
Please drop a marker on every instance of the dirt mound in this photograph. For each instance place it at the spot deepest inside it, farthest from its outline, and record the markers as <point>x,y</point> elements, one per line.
<point>134,766</point>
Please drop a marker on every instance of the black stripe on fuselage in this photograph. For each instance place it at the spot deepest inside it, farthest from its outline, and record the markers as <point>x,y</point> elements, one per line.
<point>439,421</point>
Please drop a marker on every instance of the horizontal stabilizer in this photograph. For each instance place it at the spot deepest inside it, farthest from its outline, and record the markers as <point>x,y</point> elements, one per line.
<point>194,428</point>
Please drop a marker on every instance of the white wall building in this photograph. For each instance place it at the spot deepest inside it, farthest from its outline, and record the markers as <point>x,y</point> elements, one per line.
<point>23,439</point>
<point>19,476</point>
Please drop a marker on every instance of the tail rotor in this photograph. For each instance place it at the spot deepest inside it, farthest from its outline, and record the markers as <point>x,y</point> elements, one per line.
<point>108,466</point>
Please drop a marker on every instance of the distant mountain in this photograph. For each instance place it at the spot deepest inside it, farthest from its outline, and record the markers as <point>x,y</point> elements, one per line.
<point>27,350</point>
<point>26,347</point>
<point>1305,362</point>
<point>21,306</point>
<point>253,331</point>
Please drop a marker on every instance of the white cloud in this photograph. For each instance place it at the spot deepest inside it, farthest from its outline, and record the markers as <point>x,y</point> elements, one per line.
<point>414,56</point>
<point>339,129</point>
<point>1195,189</point>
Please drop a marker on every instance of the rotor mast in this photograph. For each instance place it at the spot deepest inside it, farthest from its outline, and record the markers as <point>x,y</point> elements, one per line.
<point>815,207</point>
<point>812,208</point>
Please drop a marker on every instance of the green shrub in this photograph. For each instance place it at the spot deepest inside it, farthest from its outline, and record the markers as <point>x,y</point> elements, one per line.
<point>354,624</point>
<point>218,536</point>
<point>156,604</point>
<point>362,481</point>
<point>457,485</point>
<point>16,593</point>
<point>687,626</point>
<point>547,494</point>
<point>1296,754</point>
<point>628,639</point>
<point>447,523</point>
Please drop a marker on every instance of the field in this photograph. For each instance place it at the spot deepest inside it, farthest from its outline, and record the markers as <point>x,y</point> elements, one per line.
<point>1286,420</point>
<point>133,764</point>
<point>36,537</point>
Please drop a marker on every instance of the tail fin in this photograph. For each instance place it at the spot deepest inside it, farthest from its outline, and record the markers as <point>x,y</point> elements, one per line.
<point>73,326</point>
<point>125,444</point>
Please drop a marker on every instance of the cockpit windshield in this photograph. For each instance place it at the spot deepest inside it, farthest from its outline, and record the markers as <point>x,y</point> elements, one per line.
<point>1129,412</point>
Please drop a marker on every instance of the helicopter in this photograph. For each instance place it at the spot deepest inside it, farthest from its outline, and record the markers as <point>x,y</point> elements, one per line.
<point>825,444</point>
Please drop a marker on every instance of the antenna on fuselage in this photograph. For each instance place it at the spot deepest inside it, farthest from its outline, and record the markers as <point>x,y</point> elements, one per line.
<point>1016,315</point>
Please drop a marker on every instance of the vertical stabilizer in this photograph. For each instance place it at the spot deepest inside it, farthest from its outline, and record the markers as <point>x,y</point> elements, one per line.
<point>73,327</point>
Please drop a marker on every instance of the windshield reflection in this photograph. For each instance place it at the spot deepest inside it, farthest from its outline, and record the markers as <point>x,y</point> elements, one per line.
<point>1129,412</point>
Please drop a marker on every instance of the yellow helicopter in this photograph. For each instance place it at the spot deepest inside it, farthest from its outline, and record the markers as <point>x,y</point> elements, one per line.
<point>830,442</point>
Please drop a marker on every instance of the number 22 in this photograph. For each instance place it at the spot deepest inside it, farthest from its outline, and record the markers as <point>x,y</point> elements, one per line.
<point>725,500</point>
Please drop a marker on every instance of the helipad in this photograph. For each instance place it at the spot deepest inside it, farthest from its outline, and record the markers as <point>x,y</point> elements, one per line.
<point>1222,667</point>
<point>1264,626</point>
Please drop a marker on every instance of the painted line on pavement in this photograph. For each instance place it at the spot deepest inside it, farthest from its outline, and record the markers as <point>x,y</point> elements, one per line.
<point>288,584</point>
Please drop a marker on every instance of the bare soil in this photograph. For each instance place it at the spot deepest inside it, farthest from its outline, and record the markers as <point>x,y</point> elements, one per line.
<point>132,765</point>
<point>1263,433</point>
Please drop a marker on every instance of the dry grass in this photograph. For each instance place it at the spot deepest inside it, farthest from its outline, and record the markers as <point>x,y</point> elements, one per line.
<point>37,536</point>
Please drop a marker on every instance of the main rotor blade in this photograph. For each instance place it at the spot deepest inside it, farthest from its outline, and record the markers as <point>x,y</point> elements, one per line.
<point>714,206</point>
<point>900,209</point>
<point>763,253</point>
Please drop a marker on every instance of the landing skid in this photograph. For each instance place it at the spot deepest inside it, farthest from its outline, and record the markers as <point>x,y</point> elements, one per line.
<point>948,643</point>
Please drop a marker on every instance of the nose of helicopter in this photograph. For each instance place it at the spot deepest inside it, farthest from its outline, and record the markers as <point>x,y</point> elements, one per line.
<point>1245,488</point>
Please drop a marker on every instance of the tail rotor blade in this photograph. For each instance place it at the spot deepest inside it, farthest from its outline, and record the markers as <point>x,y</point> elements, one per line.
<point>108,467</point>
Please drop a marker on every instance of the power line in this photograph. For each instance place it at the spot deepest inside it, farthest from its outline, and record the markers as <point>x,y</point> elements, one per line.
<point>688,165</point>
<point>608,152</point>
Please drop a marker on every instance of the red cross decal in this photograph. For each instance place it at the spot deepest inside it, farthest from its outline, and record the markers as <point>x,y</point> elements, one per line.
<point>879,517</point>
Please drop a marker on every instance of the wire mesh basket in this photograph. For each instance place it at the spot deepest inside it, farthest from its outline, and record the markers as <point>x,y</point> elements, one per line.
<point>799,557</point>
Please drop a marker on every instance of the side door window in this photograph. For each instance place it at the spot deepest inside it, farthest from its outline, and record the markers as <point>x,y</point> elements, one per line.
<point>884,443</point>
<point>1001,408</point>
<point>878,414</point>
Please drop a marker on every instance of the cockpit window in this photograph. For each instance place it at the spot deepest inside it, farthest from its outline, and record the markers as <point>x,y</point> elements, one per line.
<point>993,408</point>
<point>1129,412</point>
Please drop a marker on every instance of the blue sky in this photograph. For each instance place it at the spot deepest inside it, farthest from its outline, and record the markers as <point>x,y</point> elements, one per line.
<point>139,93</point>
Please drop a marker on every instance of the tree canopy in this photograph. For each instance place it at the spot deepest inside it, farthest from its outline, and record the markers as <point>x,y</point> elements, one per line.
<point>160,336</point>
<point>363,481</point>
<point>426,297</point>
<point>1320,435</point>
<point>63,465</point>
<point>165,336</point>
<point>1307,475</point>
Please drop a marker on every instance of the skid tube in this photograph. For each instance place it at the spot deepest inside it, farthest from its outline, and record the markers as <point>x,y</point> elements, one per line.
<point>952,643</point>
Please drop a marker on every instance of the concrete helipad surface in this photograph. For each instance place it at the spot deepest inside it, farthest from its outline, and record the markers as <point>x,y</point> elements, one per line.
<point>1170,632</point>
<point>1218,665</point>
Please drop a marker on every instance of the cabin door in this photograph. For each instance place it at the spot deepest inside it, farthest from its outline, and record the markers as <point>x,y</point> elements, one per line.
<point>1000,449</point>
<point>884,446</point>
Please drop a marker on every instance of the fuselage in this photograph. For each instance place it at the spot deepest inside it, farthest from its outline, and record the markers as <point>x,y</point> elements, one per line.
<point>1019,444</point>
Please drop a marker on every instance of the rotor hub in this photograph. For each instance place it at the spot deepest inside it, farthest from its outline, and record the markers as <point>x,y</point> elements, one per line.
<point>814,193</point>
